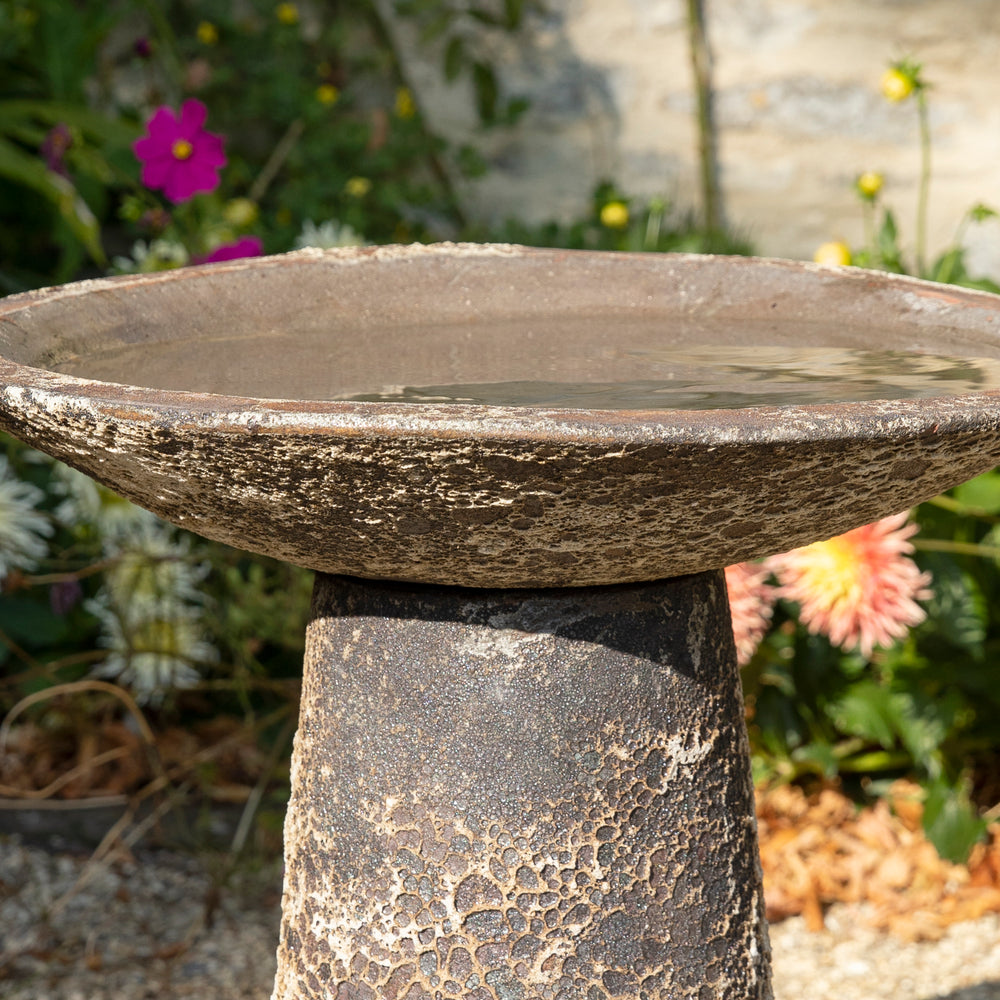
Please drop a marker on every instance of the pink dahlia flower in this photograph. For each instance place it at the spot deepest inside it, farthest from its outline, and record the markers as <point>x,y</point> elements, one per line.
<point>178,156</point>
<point>751,603</point>
<point>859,589</point>
<point>245,246</point>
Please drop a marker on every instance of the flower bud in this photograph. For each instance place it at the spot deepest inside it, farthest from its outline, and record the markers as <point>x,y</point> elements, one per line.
<point>834,252</point>
<point>614,215</point>
<point>869,184</point>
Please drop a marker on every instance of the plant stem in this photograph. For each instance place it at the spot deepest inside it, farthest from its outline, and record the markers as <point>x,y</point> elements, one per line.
<point>165,34</point>
<point>868,214</point>
<point>958,548</point>
<point>708,155</point>
<point>276,160</point>
<point>963,509</point>
<point>925,182</point>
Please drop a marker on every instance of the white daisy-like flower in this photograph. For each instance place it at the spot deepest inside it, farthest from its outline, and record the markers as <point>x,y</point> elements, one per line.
<point>157,255</point>
<point>327,234</point>
<point>153,655</point>
<point>150,606</point>
<point>88,502</point>
<point>152,573</point>
<point>23,529</point>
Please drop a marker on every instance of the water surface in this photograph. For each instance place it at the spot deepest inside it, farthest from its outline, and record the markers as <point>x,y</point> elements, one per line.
<point>573,364</point>
<point>729,378</point>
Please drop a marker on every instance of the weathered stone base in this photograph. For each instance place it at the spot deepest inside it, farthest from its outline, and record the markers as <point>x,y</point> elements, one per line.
<point>521,794</point>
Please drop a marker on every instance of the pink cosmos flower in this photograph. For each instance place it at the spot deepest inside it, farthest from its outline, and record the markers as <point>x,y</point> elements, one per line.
<point>245,246</point>
<point>751,603</point>
<point>859,589</point>
<point>178,156</point>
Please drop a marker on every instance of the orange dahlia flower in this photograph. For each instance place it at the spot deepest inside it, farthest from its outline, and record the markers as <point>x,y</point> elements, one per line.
<point>751,603</point>
<point>859,589</point>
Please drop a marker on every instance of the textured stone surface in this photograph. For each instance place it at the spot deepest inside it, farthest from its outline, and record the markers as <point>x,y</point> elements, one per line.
<point>491,496</point>
<point>532,794</point>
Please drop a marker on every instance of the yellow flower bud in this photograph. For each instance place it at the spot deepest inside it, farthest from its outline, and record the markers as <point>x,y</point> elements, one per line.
<point>614,215</point>
<point>897,85</point>
<point>208,33</point>
<point>327,93</point>
<point>240,212</point>
<point>358,187</point>
<point>406,107</point>
<point>869,184</point>
<point>287,13</point>
<point>834,252</point>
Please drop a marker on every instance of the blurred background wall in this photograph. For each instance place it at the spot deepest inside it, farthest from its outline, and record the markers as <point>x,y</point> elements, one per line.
<point>798,109</point>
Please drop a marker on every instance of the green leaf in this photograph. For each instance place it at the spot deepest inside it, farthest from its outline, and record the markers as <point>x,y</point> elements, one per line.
<point>513,13</point>
<point>437,26</point>
<point>454,58</point>
<point>29,622</point>
<point>516,107</point>
<point>923,725</point>
<point>485,83</point>
<point>950,266</point>
<point>951,822</point>
<point>817,758</point>
<point>958,610</point>
<point>485,17</point>
<point>982,284</point>
<point>114,131</point>
<point>18,166</point>
<point>983,492</point>
<point>980,212</point>
<point>866,710</point>
<point>888,234</point>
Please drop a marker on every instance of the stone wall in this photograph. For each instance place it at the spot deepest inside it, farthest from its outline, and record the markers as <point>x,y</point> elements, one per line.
<point>799,112</point>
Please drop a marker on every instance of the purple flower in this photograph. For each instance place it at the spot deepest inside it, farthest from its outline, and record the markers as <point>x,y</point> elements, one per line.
<point>142,47</point>
<point>245,246</point>
<point>178,156</point>
<point>64,596</point>
<point>54,146</point>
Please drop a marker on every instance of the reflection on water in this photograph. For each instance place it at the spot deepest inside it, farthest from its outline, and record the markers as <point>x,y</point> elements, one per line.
<point>729,378</point>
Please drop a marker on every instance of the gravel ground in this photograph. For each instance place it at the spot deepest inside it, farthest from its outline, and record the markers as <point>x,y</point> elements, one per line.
<point>137,931</point>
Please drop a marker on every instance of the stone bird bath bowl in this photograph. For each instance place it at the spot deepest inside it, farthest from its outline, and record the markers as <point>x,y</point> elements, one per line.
<point>521,769</point>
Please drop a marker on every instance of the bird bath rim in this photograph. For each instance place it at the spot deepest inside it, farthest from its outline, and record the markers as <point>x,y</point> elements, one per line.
<point>490,496</point>
<point>783,422</point>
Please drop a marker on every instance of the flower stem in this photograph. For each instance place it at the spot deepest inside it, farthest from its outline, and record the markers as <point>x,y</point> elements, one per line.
<point>708,156</point>
<point>276,160</point>
<point>963,509</point>
<point>171,53</point>
<point>958,548</point>
<point>925,181</point>
<point>868,214</point>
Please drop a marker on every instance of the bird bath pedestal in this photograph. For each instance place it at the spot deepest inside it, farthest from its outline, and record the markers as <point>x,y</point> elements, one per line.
<point>521,769</point>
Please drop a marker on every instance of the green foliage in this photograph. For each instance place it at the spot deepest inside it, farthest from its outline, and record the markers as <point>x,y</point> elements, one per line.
<point>467,36</point>
<point>927,707</point>
<point>651,226</point>
<point>47,54</point>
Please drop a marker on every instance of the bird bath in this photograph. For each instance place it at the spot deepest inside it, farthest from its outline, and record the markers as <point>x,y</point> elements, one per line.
<point>521,769</point>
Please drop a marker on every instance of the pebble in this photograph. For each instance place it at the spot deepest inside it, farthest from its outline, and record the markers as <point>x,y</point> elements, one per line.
<point>136,932</point>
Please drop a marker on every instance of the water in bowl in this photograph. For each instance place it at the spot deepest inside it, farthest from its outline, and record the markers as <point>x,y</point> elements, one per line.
<point>508,364</point>
<point>728,378</point>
